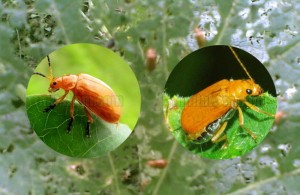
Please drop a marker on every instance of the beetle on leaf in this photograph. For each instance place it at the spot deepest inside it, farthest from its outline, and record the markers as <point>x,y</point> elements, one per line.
<point>95,96</point>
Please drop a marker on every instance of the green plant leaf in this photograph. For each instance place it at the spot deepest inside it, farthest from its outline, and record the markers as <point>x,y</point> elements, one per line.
<point>239,141</point>
<point>69,30</point>
<point>51,128</point>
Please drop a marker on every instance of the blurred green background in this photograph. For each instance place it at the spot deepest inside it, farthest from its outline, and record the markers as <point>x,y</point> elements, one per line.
<point>98,62</point>
<point>29,30</point>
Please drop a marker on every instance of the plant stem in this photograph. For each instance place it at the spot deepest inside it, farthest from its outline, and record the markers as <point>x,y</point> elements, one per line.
<point>163,175</point>
<point>114,173</point>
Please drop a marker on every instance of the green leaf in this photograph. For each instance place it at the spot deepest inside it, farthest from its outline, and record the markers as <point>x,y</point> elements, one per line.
<point>51,128</point>
<point>231,20</point>
<point>239,141</point>
<point>69,29</point>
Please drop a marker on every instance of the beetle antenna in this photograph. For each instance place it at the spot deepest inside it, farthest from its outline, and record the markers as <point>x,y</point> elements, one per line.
<point>240,62</point>
<point>50,68</point>
<point>38,73</point>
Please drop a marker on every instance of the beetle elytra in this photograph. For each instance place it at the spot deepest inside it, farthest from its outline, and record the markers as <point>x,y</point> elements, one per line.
<point>207,120</point>
<point>95,96</point>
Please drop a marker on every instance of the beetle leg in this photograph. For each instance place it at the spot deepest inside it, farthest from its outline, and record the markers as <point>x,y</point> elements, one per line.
<point>56,102</point>
<point>89,121</point>
<point>71,114</point>
<point>117,125</point>
<point>257,109</point>
<point>241,122</point>
<point>226,141</point>
<point>224,137</point>
<point>216,137</point>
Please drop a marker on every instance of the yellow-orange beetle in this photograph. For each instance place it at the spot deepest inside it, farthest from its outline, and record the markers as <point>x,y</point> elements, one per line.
<point>95,95</point>
<point>206,114</point>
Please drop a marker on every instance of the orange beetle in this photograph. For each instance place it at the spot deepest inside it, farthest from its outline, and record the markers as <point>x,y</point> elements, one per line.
<point>206,114</point>
<point>95,95</point>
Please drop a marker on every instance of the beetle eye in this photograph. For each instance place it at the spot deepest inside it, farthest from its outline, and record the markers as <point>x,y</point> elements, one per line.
<point>249,91</point>
<point>54,83</point>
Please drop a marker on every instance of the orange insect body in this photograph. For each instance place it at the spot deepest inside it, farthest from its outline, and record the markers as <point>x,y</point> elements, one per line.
<point>213,102</point>
<point>95,95</point>
<point>206,113</point>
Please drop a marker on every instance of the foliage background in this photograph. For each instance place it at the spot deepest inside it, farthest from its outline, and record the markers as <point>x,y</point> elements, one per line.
<point>30,29</point>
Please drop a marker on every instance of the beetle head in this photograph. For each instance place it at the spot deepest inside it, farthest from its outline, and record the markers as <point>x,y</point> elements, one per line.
<point>249,87</point>
<point>55,84</point>
<point>66,82</point>
<point>240,89</point>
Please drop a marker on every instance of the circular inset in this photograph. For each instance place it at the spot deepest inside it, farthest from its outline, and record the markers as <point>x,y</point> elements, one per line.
<point>220,102</point>
<point>94,111</point>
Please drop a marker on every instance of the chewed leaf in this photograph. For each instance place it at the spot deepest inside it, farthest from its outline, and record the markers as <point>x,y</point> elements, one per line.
<point>239,141</point>
<point>51,127</point>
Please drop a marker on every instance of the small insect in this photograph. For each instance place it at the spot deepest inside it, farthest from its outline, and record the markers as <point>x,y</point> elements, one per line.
<point>151,58</point>
<point>95,95</point>
<point>205,115</point>
<point>200,37</point>
<point>159,163</point>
